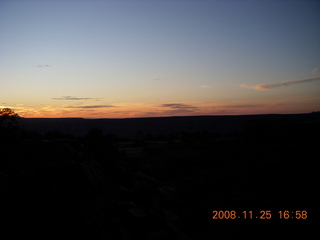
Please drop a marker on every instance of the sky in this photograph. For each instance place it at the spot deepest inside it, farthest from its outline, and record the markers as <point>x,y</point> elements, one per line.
<point>154,58</point>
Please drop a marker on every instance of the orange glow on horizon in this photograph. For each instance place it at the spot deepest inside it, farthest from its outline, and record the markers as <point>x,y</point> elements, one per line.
<point>144,110</point>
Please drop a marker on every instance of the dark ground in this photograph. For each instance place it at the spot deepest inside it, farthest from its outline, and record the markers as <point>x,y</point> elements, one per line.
<point>100,186</point>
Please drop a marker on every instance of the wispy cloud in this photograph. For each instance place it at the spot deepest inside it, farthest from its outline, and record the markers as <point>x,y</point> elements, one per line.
<point>316,71</point>
<point>40,65</point>
<point>91,106</point>
<point>72,98</point>
<point>281,84</point>
<point>242,106</point>
<point>178,109</point>
<point>178,106</point>
<point>205,86</point>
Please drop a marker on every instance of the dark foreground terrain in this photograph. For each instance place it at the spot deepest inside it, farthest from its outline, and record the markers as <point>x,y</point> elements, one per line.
<point>163,186</point>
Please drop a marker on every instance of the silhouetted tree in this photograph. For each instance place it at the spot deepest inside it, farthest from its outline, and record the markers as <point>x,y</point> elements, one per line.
<point>8,117</point>
<point>9,130</point>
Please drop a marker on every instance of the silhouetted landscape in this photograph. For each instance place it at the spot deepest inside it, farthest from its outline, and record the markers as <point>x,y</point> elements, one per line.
<point>128,127</point>
<point>159,178</point>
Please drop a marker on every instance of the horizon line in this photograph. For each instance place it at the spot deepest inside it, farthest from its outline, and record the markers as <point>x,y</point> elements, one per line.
<point>221,115</point>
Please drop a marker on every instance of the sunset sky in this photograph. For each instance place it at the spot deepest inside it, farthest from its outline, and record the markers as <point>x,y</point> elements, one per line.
<point>148,58</point>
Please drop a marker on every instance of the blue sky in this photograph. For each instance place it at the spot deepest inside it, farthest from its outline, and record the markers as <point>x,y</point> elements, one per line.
<point>159,58</point>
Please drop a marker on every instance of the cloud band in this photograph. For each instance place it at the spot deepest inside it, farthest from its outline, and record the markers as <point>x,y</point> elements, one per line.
<point>71,98</point>
<point>281,84</point>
